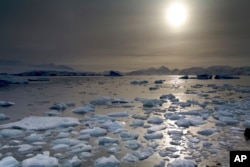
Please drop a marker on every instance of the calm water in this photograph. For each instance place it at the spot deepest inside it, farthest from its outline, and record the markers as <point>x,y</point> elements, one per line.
<point>37,97</point>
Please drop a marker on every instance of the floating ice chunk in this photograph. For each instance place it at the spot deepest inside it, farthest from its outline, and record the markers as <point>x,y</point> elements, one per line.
<point>26,148</point>
<point>110,161</point>
<point>9,162</point>
<point>114,149</point>
<point>153,145</point>
<point>106,140</point>
<point>120,100</point>
<point>83,155</point>
<point>228,120</point>
<point>63,135</point>
<point>85,109</point>
<point>138,82</point>
<point>132,144</point>
<point>156,128</point>
<point>173,116</point>
<point>152,102</point>
<point>183,122</point>
<point>42,123</point>
<point>246,124</point>
<point>190,121</point>
<point>182,163</point>
<point>67,141</point>
<point>129,158</point>
<point>136,123</point>
<point>101,101</point>
<point>194,140</point>
<point>141,117</point>
<point>53,113</point>
<point>11,133</point>
<point>167,97</point>
<point>74,162</point>
<point>34,138</point>
<point>160,164</point>
<point>60,147</point>
<point>155,135</point>
<point>41,161</point>
<point>113,125</point>
<point>6,103</point>
<point>207,131</point>
<point>96,131</point>
<point>129,135</point>
<point>155,120</point>
<point>206,144</point>
<point>3,117</point>
<point>81,147</point>
<point>59,106</point>
<point>119,114</point>
<point>144,153</point>
<point>84,137</point>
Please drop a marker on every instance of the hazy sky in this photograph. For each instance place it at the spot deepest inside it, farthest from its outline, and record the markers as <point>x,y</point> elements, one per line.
<point>124,34</point>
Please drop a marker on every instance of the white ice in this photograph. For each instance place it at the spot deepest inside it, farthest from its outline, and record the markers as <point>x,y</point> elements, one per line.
<point>129,158</point>
<point>96,131</point>
<point>85,109</point>
<point>11,133</point>
<point>6,103</point>
<point>9,162</point>
<point>41,161</point>
<point>3,117</point>
<point>182,163</point>
<point>110,161</point>
<point>119,114</point>
<point>143,153</point>
<point>42,123</point>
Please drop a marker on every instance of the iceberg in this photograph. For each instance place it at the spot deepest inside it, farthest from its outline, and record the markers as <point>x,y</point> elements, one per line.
<point>42,123</point>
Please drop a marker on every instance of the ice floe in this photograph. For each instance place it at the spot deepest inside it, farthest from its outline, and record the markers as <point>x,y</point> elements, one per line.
<point>155,135</point>
<point>107,140</point>
<point>85,109</point>
<point>42,123</point>
<point>3,117</point>
<point>40,160</point>
<point>110,161</point>
<point>119,114</point>
<point>129,158</point>
<point>96,131</point>
<point>143,153</point>
<point>6,103</point>
<point>132,144</point>
<point>155,120</point>
<point>11,133</point>
<point>182,163</point>
<point>207,131</point>
<point>9,162</point>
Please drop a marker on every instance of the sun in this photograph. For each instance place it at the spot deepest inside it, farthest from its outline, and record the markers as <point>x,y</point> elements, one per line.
<point>177,14</point>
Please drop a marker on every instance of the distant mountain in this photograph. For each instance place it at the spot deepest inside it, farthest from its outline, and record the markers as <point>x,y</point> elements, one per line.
<point>212,70</point>
<point>151,71</point>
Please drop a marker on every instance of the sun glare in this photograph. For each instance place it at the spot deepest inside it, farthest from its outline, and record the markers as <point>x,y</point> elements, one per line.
<point>176,14</point>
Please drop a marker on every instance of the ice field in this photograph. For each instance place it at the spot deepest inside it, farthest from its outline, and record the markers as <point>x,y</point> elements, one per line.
<point>123,121</point>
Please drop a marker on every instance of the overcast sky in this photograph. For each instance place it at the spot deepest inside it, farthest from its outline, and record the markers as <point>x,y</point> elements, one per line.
<point>124,34</point>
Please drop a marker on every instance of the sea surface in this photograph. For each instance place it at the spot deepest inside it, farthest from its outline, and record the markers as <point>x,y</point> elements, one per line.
<point>213,98</point>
